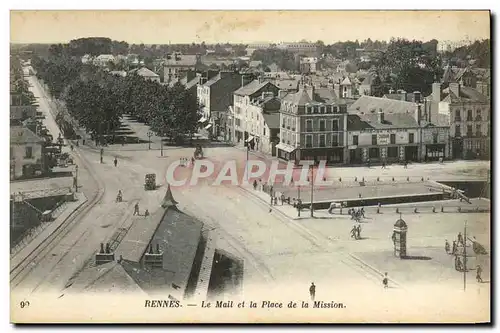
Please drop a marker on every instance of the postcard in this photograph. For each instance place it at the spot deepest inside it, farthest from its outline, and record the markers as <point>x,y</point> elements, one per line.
<point>250,166</point>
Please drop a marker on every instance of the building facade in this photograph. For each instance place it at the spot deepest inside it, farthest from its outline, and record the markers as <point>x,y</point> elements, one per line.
<point>215,96</point>
<point>469,114</point>
<point>176,64</point>
<point>313,126</point>
<point>249,103</point>
<point>25,153</point>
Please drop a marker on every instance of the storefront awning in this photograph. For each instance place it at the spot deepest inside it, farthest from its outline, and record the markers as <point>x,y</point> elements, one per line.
<point>285,147</point>
<point>208,126</point>
<point>202,120</point>
<point>250,138</point>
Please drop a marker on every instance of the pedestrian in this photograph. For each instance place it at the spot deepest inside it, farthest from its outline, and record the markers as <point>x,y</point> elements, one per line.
<point>146,213</point>
<point>254,184</point>
<point>192,161</point>
<point>136,209</point>
<point>260,184</point>
<point>454,248</point>
<point>115,161</point>
<point>383,165</point>
<point>479,270</point>
<point>282,198</point>
<point>101,160</point>
<point>71,147</point>
<point>276,201</point>
<point>362,211</point>
<point>385,281</point>
<point>358,232</point>
<point>458,264</point>
<point>83,142</point>
<point>272,200</point>
<point>312,291</point>
<point>447,247</point>
<point>460,239</point>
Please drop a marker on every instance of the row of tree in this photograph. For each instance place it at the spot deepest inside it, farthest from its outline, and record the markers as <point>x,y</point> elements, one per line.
<point>19,86</point>
<point>97,99</point>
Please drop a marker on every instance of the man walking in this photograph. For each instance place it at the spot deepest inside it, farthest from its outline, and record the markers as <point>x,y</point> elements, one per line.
<point>385,281</point>
<point>479,270</point>
<point>312,291</point>
<point>115,162</point>
<point>136,209</point>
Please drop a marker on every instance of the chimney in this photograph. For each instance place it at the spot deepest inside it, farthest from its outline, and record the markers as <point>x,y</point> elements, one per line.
<point>436,92</point>
<point>151,248</point>
<point>108,249</point>
<point>309,90</point>
<point>337,90</point>
<point>418,114</point>
<point>157,248</point>
<point>102,248</point>
<point>455,88</point>
<point>416,97</point>
<point>380,117</point>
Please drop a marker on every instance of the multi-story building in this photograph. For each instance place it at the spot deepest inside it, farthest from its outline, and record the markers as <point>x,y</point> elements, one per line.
<point>250,102</point>
<point>25,152</point>
<point>387,130</point>
<point>313,125</point>
<point>309,49</point>
<point>103,60</point>
<point>308,65</point>
<point>176,64</point>
<point>216,95</point>
<point>468,113</point>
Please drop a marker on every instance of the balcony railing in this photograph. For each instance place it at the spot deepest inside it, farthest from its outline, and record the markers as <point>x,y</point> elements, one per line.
<point>458,119</point>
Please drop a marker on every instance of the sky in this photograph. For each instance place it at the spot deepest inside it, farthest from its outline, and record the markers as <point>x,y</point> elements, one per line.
<point>162,27</point>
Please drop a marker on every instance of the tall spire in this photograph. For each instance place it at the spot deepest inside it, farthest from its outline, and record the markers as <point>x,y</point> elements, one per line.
<point>168,200</point>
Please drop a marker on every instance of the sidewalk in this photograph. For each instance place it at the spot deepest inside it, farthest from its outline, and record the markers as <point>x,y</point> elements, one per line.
<point>46,229</point>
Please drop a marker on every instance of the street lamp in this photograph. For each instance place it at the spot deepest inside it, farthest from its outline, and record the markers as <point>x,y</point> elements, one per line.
<point>248,150</point>
<point>150,134</point>
<point>312,189</point>
<point>76,178</point>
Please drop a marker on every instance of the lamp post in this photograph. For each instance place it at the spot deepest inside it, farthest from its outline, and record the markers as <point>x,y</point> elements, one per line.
<point>246,166</point>
<point>76,178</point>
<point>312,190</point>
<point>161,146</point>
<point>298,201</point>
<point>150,134</point>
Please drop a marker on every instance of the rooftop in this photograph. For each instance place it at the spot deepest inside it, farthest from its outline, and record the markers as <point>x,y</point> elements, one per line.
<point>467,94</point>
<point>391,120</point>
<point>22,135</point>
<point>368,104</point>
<point>251,88</point>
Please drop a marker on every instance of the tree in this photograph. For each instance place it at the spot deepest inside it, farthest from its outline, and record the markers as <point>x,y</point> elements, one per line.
<point>407,65</point>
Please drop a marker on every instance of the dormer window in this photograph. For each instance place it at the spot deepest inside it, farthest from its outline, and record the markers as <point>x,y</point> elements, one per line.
<point>335,109</point>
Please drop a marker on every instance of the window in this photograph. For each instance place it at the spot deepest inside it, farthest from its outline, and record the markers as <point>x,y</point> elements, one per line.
<point>335,109</point>
<point>237,122</point>
<point>29,152</point>
<point>457,115</point>
<point>328,109</point>
<point>264,131</point>
<point>322,109</point>
<point>308,110</point>
<point>355,139</point>
<point>309,140</point>
<point>335,140</point>
<point>316,109</point>
<point>457,130</point>
<point>392,152</point>
<point>335,125</point>
<point>469,130</point>
<point>374,139</point>
<point>478,130</point>
<point>411,138</point>
<point>478,115</point>
<point>309,126</point>
<point>434,137</point>
<point>322,125</point>
<point>393,139</point>
<point>283,123</point>
<point>322,141</point>
<point>469,115</point>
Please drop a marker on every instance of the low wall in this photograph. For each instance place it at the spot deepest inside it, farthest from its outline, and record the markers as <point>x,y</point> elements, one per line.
<point>382,200</point>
